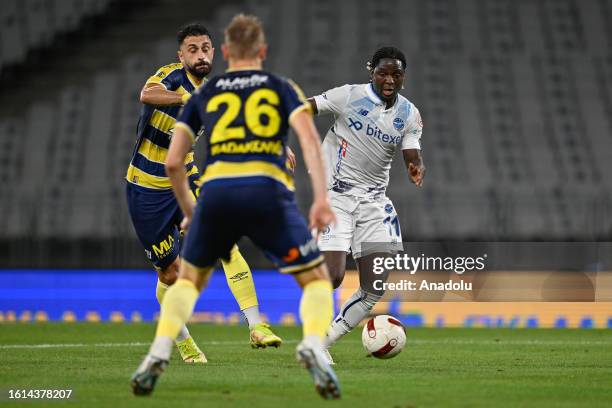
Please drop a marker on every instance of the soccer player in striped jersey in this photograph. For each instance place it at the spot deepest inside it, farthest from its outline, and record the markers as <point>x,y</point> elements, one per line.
<point>153,208</point>
<point>247,191</point>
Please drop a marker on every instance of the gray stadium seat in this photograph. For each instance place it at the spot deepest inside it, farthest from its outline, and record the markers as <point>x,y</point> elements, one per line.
<point>515,97</point>
<point>38,23</point>
<point>12,44</point>
<point>27,25</point>
<point>11,168</point>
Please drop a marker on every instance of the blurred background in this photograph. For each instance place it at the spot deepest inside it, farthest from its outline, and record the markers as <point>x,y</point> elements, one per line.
<point>516,98</point>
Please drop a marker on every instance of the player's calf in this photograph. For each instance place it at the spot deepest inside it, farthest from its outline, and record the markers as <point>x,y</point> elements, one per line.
<point>361,303</point>
<point>316,312</point>
<point>336,266</point>
<point>187,347</point>
<point>352,312</point>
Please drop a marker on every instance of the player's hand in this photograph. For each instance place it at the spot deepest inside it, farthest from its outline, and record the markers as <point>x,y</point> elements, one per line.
<point>321,215</point>
<point>185,98</point>
<point>291,160</point>
<point>416,173</point>
<point>185,223</point>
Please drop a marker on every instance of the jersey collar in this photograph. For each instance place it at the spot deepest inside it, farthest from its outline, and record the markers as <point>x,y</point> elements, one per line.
<point>376,99</point>
<point>194,81</point>
<point>243,69</point>
<point>372,95</point>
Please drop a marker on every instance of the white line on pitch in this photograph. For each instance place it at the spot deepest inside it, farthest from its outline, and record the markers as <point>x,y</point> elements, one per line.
<point>131,344</point>
<point>70,345</point>
<point>410,341</point>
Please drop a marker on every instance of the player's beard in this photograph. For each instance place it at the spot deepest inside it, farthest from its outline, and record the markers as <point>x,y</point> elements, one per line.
<point>199,70</point>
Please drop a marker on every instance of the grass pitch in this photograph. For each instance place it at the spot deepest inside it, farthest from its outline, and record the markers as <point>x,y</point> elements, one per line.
<point>439,367</point>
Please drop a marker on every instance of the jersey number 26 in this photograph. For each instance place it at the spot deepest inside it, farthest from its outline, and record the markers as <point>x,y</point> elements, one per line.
<point>262,102</point>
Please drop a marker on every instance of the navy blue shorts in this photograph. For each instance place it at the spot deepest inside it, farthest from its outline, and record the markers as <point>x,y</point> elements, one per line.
<point>157,217</point>
<point>262,210</point>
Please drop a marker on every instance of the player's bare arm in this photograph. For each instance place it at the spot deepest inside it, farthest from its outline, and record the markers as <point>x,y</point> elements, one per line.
<point>414,165</point>
<point>157,94</point>
<point>175,169</point>
<point>321,214</point>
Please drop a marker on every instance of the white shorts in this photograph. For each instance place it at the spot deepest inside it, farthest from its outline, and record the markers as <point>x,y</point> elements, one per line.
<point>364,226</point>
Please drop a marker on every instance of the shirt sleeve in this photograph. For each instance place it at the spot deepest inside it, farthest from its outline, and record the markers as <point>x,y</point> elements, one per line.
<point>167,76</point>
<point>333,100</point>
<point>414,130</point>
<point>189,118</point>
<point>294,99</point>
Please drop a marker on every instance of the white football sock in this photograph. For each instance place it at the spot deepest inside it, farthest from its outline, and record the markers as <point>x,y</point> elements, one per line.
<point>183,334</point>
<point>251,314</point>
<point>161,347</point>
<point>313,341</point>
<point>352,312</point>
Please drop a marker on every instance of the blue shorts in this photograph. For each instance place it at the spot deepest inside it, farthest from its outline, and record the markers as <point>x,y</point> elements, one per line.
<point>260,209</point>
<point>157,217</point>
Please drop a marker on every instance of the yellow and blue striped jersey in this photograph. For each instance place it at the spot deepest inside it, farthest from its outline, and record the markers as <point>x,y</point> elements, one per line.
<point>246,114</point>
<point>155,127</point>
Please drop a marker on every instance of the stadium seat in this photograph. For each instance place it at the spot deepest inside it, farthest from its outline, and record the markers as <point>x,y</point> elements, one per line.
<point>38,23</point>
<point>30,25</point>
<point>515,98</point>
<point>12,44</point>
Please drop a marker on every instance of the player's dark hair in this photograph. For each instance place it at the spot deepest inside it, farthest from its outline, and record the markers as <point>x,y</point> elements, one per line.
<point>190,30</point>
<point>386,52</point>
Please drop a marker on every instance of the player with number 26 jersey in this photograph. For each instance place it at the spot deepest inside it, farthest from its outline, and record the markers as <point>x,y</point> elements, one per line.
<point>246,117</point>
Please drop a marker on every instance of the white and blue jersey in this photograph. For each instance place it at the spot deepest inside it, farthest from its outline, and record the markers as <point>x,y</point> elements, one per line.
<point>358,151</point>
<point>361,144</point>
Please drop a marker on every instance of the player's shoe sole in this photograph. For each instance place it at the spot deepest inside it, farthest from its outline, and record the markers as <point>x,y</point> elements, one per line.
<point>144,379</point>
<point>262,336</point>
<point>324,377</point>
<point>199,359</point>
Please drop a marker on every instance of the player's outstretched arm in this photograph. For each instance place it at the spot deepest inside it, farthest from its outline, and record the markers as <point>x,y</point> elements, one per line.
<point>157,94</point>
<point>321,214</point>
<point>414,165</point>
<point>175,169</point>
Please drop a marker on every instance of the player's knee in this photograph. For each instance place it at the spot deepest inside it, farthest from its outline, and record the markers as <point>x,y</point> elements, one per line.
<point>336,275</point>
<point>336,281</point>
<point>169,274</point>
<point>198,276</point>
<point>202,280</point>
<point>311,275</point>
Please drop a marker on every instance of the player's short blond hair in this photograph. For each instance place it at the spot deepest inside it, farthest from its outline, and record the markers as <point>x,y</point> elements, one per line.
<point>244,36</point>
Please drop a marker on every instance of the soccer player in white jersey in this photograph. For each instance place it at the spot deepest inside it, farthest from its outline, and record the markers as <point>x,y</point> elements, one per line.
<point>371,122</point>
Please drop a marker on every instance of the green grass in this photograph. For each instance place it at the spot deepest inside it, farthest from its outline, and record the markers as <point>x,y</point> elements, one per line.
<point>439,367</point>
